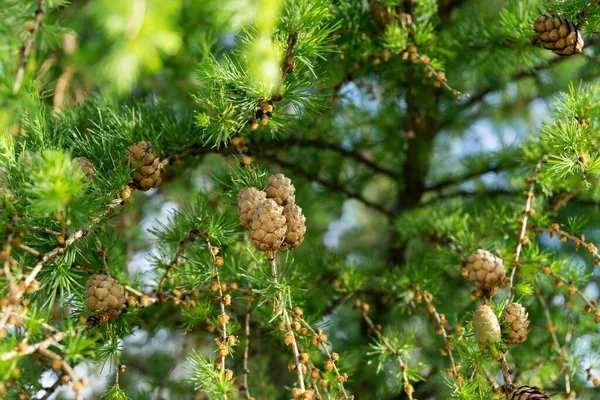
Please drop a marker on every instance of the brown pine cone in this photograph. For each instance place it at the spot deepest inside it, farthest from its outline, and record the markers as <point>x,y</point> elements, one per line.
<point>248,200</point>
<point>296,226</point>
<point>558,34</point>
<point>106,295</point>
<point>147,171</point>
<point>516,323</point>
<point>268,226</point>
<point>280,189</point>
<point>86,167</point>
<point>527,393</point>
<point>486,270</point>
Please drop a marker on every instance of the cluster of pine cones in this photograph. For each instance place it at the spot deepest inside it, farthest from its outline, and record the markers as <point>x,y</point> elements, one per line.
<point>488,273</point>
<point>272,216</point>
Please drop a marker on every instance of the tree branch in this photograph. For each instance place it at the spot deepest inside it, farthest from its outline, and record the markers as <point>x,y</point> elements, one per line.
<point>27,46</point>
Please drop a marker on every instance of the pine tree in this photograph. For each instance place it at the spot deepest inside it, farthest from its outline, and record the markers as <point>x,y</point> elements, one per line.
<point>308,199</point>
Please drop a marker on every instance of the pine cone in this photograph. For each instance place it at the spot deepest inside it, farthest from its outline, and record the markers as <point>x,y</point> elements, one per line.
<point>268,226</point>
<point>104,294</point>
<point>527,393</point>
<point>558,34</point>
<point>517,323</point>
<point>296,225</point>
<point>486,270</point>
<point>86,167</point>
<point>147,171</point>
<point>248,200</point>
<point>280,189</point>
<point>486,326</point>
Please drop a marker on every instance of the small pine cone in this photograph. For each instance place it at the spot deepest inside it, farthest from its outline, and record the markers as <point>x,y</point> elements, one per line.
<point>86,167</point>
<point>517,323</point>
<point>104,294</point>
<point>147,171</point>
<point>296,225</point>
<point>486,326</point>
<point>527,393</point>
<point>280,189</point>
<point>558,34</point>
<point>268,226</point>
<point>486,270</point>
<point>248,200</point>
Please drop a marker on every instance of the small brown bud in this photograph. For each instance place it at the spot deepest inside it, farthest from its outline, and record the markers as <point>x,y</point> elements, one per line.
<point>223,319</point>
<point>65,379</point>
<point>56,365</point>
<point>219,261</point>
<point>335,356</point>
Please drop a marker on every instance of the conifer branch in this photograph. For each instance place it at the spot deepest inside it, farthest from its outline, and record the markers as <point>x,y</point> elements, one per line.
<point>440,319</point>
<point>505,374</point>
<point>408,388</point>
<point>528,211</point>
<point>579,241</point>
<point>335,147</point>
<point>68,242</point>
<point>27,46</point>
<point>52,339</point>
<point>223,317</point>
<point>246,369</point>
<point>331,357</point>
<point>190,238</point>
<point>561,352</point>
<point>290,337</point>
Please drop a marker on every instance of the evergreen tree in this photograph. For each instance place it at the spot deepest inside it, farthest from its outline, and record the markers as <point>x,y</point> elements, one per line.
<point>308,199</point>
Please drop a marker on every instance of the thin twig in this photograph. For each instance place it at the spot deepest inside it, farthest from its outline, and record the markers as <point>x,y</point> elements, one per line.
<point>191,236</point>
<point>408,388</point>
<point>69,241</point>
<point>212,250</point>
<point>246,370</point>
<point>490,378</point>
<point>561,352</point>
<point>530,196</point>
<point>28,46</point>
<point>328,354</point>
<point>447,341</point>
<point>288,325</point>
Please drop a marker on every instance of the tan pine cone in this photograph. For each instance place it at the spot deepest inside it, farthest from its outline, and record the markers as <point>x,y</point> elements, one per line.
<point>280,189</point>
<point>86,167</point>
<point>558,34</point>
<point>486,326</point>
<point>248,200</point>
<point>296,226</point>
<point>104,294</point>
<point>486,270</point>
<point>517,323</point>
<point>268,226</point>
<point>527,393</point>
<point>147,171</point>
